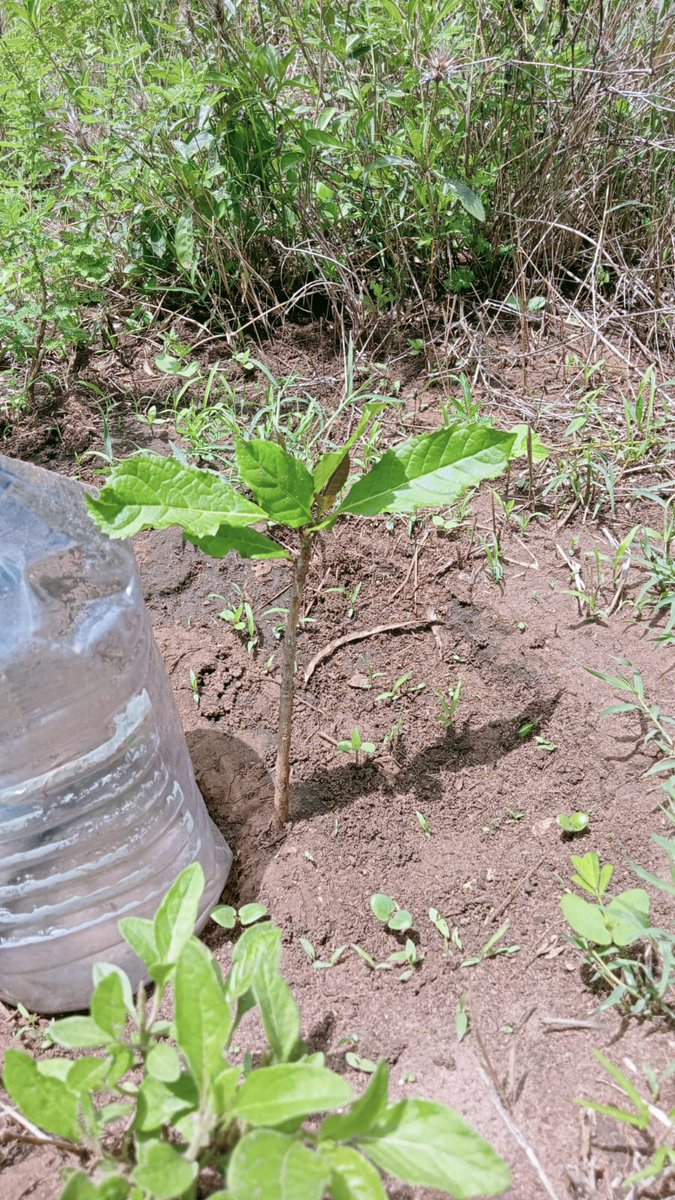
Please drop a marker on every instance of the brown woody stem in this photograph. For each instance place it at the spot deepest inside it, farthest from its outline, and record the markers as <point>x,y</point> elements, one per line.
<point>283,766</point>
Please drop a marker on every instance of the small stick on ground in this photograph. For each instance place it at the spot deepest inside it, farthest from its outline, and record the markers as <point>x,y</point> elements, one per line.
<point>360,635</point>
<point>496,913</point>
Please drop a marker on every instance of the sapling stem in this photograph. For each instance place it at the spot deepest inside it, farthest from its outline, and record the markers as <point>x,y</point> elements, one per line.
<point>283,765</point>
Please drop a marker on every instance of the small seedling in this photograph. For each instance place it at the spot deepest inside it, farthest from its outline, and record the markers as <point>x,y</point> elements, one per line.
<point>449,705</point>
<point>544,744</point>
<point>399,689</point>
<point>386,909</point>
<point>360,1064</point>
<point>352,597</point>
<point>368,958</point>
<point>410,955</point>
<point>462,1018</point>
<point>240,617</point>
<point>491,948</point>
<point>572,823</point>
<point>194,686</point>
<point>320,964</point>
<point>356,746</point>
<point>527,728</point>
<point>423,823</point>
<point>226,916</point>
<point>391,737</point>
<point>439,922</point>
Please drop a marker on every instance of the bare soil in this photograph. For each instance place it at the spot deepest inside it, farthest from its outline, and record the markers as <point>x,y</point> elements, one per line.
<point>489,792</point>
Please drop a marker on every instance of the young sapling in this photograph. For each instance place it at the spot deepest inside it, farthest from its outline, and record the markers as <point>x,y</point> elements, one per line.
<point>430,471</point>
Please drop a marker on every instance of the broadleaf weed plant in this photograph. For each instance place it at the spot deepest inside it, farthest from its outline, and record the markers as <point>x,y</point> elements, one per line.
<point>166,1109</point>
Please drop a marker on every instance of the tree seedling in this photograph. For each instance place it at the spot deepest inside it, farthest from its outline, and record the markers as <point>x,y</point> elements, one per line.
<point>449,705</point>
<point>356,746</point>
<point>572,823</point>
<point>352,597</point>
<point>491,948</point>
<point>390,913</point>
<point>432,470</point>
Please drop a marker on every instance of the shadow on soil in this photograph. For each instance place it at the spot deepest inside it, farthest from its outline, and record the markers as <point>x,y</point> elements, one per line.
<point>339,786</point>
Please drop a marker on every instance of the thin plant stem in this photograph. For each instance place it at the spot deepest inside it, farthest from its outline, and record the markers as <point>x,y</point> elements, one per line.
<point>283,764</point>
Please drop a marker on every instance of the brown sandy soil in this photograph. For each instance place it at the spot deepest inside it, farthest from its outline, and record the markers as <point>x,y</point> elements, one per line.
<point>490,795</point>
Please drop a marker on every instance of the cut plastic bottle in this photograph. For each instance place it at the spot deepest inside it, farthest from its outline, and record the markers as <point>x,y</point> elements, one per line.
<point>99,808</point>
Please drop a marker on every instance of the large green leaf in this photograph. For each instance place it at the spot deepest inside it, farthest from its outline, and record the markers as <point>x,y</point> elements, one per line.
<point>44,1099</point>
<point>163,1171</point>
<point>176,916</point>
<point>467,198</point>
<point>108,1005</point>
<point>354,1178</point>
<point>363,1113</point>
<point>151,492</point>
<point>628,916</point>
<point>246,541</point>
<point>161,1103</point>
<point>203,1016</point>
<point>431,471</point>
<point>280,482</point>
<point>257,944</point>
<point>139,932</point>
<point>184,240</point>
<point>587,920</point>
<point>79,1033</point>
<point>432,1146</point>
<point>266,1165</point>
<point>278,1010</point>
<point>274,1095</point>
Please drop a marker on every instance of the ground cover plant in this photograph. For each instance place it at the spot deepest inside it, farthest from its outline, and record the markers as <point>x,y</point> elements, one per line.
<point>162,1103</point>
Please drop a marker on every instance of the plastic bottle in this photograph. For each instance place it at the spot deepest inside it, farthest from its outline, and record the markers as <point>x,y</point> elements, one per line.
<point>99,809</point>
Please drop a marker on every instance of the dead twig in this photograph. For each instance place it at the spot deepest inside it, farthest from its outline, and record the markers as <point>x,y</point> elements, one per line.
<point>496,913</point>
<point>359,635</point>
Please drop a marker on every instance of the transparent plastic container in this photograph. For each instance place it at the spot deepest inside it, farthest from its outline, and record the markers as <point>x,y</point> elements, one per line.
<point>99,809</point>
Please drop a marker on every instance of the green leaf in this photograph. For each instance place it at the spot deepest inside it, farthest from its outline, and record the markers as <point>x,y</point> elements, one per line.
<point>353,1178</point>
<point>331,474</point>
<point>628,916</point>
<point>108,1005</point>
<point>432,1146</point>
<point>401,921</point>
<point>587,920</point>
<point>266,1165</point>
<point>44,1099</point>
<point>79,1033</point>
<point>203,1017</point>
<point>540,452</point>
<point>163,1063</point>
<point>273,1095</point>
<point>80,1187</point>
<point>467,198</point>
<point>430,471</point>
<point>249,913</point>
<point>103,969</point>
<point>382,906</point>
<point>184,240</point>
<point>321,137</point>
<point>246,542</point>
<point>278,1011</point>
<point>280,483</point>
<point>257,944</point>
<point>139,933</point>
<point>88,1074</point>
<point>176,916</point>
<point>163,1103</point>
<point>363,1113</point>
<point>151,492</point>
<point>225,916</point>
<point>163,1171</point>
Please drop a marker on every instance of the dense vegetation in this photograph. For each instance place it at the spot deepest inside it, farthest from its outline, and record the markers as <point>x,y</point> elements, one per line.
<point>236,160</point>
